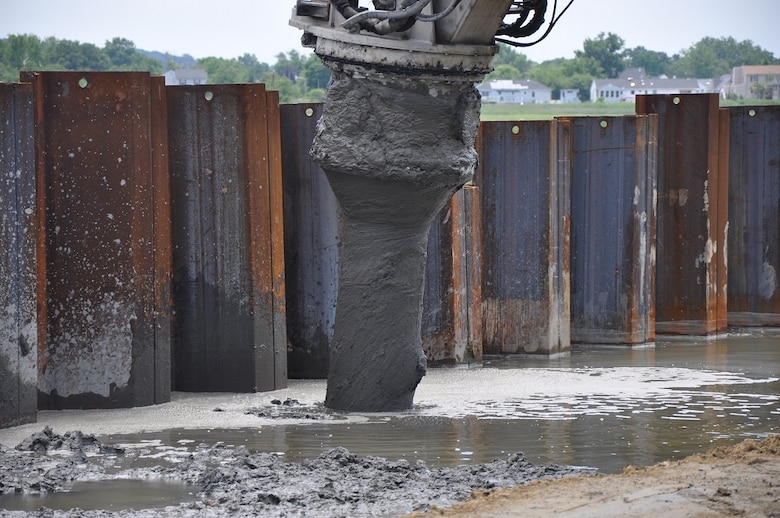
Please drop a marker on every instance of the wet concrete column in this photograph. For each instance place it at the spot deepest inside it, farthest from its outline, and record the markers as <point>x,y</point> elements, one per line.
<point>394,148</point>
<point>18,332</point>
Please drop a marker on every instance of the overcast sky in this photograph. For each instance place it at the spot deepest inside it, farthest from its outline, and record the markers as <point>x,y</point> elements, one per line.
<point>230,28</point>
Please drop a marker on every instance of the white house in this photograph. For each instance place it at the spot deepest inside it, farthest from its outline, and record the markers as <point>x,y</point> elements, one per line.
<point>186,76</point>
<point>570,95</point>
<point>633,82</point>
<point>519,91</point>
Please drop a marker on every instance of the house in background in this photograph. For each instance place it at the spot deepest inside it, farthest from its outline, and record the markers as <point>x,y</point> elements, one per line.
<point>570,95</point>
<point>755,82</point>
<point>518,91</point>
<point>633,82</point>
<point>186,76</point>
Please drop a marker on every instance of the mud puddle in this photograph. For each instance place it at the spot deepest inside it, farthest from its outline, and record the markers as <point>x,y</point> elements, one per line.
<point>108,495</point>
<point>283,453</point>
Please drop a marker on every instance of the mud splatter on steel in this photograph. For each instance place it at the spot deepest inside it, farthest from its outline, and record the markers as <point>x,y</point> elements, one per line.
<point>102,277</point>
<point>613,229</point>
<point>754,216</point>
<point>523,181</point>
<point>691,264</point>
<point>311,236</point>
<point>18,328</point>
<point>229,292</point>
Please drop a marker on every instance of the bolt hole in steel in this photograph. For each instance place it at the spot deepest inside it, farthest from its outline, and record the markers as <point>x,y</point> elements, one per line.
<point>208,95</point>
<point>752,113</point>
<point>83,83</point>
<point>604,124</point>
<point>515,130</point>
<point>309,112</point>
<point>676,100</point>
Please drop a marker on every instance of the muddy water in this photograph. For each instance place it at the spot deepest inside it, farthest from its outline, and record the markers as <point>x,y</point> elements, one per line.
<point>107,495</point>
<point>625,407</point>
<point>601,408</point>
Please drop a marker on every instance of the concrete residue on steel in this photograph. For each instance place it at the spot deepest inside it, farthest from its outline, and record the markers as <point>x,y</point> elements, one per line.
<point>394,148</point>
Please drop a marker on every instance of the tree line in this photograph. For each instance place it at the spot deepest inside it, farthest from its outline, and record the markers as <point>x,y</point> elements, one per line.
<point>303,78</point>
<point>298,78</point>
<point>606,56</point>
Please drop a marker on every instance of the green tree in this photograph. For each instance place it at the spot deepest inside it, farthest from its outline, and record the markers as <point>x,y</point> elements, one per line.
<point>288,91</point>
<point>289,65</point>
<point>255,69</point>
<point>22,52</point>
<point>316,74</point>
<point>507,55</point>
<point>607,49</point>
<point>560,74</point>
<point>713,57</point>
<point>653,62</point>
<point>221,70</point>
<point>72,55</point>
<point>120,51</point>
<point>504,72</point>
<point>316,95</point>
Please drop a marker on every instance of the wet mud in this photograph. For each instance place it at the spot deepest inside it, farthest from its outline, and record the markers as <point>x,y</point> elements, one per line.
<point>232,480</point>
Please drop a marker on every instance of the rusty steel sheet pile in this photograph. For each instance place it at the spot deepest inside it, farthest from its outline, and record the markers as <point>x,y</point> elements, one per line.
<point>523,180</point>
<point>613,229</point>
<point>451,330</point>
<point>101,195</point>
<point>228,247</point>
<point>692,208</point>
<point>18,317</point>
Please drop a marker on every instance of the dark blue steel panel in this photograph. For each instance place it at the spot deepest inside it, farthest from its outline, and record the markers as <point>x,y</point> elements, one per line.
<point>613,221</point>
<point>311,237</point>
<point>754,216</point>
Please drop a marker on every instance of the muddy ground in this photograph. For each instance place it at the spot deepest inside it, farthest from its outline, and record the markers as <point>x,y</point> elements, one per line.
<point>232,481</point>
<point>743,480</point>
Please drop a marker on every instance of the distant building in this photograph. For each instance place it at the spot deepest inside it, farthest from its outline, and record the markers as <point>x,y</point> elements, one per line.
<point>186,76</point>
<point>755,81</point>
<point>518,91</point>
<point>633,82</point>
<point>571,95</point>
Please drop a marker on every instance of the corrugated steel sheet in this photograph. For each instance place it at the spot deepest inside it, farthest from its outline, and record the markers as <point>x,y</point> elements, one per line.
<point>311,237</point>
<point>691,276</point>
<point>451,329</point>
<point>228,252</point>
<point>100,275</point>
<point>523,180</point>
<point>754,216</point>
<point>613,229</point>
<point>18,327</point>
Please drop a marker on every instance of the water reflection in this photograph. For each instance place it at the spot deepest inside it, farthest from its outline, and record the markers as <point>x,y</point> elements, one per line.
<point>617,407</point>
